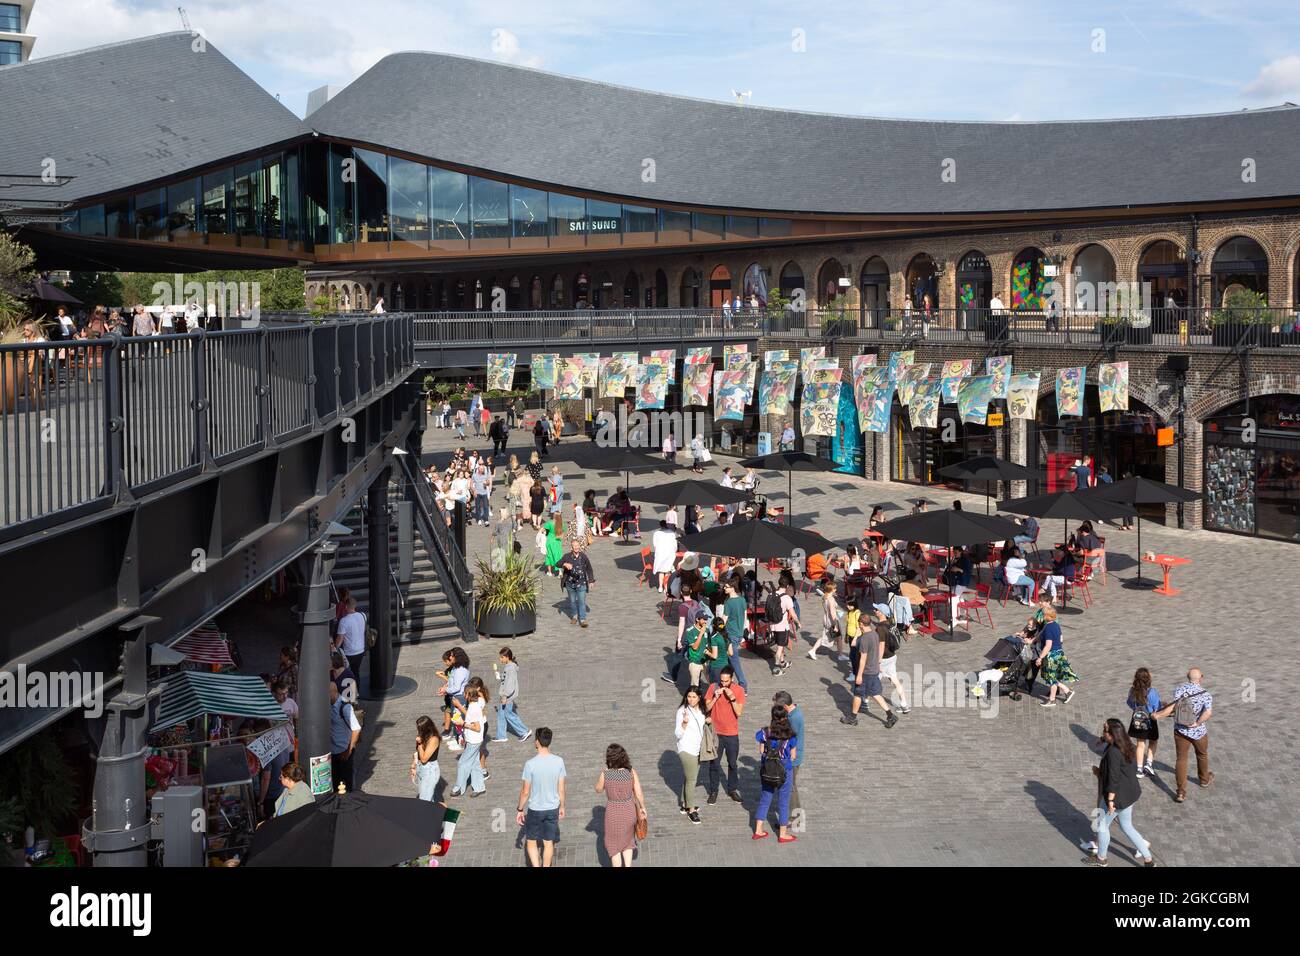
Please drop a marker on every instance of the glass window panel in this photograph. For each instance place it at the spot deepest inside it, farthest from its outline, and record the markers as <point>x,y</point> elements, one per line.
<point>674,226</point>
<point>316,193</point>
<point>774,227</point>
<point>182,210</point>
<point>742,227</point>
<point>248,199</point>
<point>273,199</point>
<point>449,208</point>
<point>11,51</point>
<point>92,221</point>
<point>489,209</point>
<point>372,196</point>
<point>527,212</point>
<point>217,190</point>
<point>568,216</point>
<point>640,220</point>
<point>705,226</point>
<point>292,212</point>
<point>11,18</point>
<point>69,221</point>
<point>151,215</point>
<point>117,218</point>
<point>408,193</point>
<point>604,218</point>
<point>342,182</point>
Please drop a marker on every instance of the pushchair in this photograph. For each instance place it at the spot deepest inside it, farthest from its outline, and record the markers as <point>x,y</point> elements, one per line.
<point>1005,670</point>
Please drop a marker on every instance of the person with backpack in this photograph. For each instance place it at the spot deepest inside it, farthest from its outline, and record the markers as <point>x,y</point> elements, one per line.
<point>1192,706</point>
<point>782,616</point>
<point>778,746</point>
<point>345,731</point>
<point>866,682</point>
<point>1143,729</point>
<point>734,615</point>
<point>783,699</point>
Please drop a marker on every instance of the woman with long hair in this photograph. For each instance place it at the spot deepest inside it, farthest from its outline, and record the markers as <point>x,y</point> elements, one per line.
<point>1117,792</point>
<point>424,762</point>
<point>625,805</point>
<point>1142,726</point>
<point>554,542</point>
<point>469,768</point>
<point>778,746</point>
<point>689,731</point>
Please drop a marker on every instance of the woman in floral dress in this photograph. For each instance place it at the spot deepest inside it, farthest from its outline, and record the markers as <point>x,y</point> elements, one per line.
<point>625,805</point>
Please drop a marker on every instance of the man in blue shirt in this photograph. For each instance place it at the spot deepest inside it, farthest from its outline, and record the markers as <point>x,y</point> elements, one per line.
<point>1030,525</point>
<point>1193,735</point>
<point>782,698</point>
<point>1082,474</point>
<point>541,800</point>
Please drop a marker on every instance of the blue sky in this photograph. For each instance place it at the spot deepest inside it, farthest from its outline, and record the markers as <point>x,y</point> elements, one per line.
<point>934,59</point>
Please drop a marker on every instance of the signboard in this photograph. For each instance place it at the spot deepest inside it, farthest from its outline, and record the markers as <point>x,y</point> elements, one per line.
<point>1164,437</point>
<point>271,744</point>
<point>321,775</point>
<point>994,419</point>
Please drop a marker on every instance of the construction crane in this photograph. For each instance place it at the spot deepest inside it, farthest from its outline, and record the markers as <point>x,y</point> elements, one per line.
<point>185,20</point>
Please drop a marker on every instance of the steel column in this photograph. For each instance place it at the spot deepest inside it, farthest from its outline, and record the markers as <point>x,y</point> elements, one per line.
<point>315,614</point>
<point>381,586</point>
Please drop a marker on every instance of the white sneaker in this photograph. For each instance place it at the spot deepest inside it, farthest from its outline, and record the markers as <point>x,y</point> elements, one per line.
<point>842,657</point>
<point>812,655</point>
<point>452,745</point>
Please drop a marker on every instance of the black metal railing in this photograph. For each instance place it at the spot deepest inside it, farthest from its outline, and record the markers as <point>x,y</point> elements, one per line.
<point>83,422</point>
<point>440,545</point>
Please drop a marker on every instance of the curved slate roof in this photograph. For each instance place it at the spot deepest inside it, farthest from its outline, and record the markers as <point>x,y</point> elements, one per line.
<point>127,113</point>
<point>581,134</point>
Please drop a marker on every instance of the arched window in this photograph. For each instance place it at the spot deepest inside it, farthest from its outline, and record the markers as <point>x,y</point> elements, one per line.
<point>922,283</point>
<point>1162,270</point>
<point>661,289</point>
<point>754,290</point>
<point>690,290</point>
<point>535,293</point>
<point>1240,263</point>
<point>828,283</point>
<point>791,279</point>
<point>1028,282</point>
<point>514,294</point>
<point>602,296</point>
<point>557,292</point>
<point>581,291</point>
<point>719,287</point>
<point>1094,283</point>
<point>631,289</point>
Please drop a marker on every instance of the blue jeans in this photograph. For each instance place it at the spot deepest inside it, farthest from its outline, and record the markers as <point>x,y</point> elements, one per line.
<point>1125,818</point>
<point>734,660</point>
<point>482,508</point>
<point>507,717</point>
<point>467,768</point>
<point>427,776</point>
<point>1022,540</point>
<point>782,800</point>
<point>577,602</point>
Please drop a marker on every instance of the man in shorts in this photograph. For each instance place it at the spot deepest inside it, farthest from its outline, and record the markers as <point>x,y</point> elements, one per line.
<point>866,683</point>
<point>781,630</point>
<point>541,800</point>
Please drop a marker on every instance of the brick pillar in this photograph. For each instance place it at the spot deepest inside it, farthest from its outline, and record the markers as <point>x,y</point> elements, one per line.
<point>1192,475</point>
<point>1018,451</point>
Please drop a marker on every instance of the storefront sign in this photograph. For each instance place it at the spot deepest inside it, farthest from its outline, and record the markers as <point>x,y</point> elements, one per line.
<point>594,225</point>
<point>995,419</point>
<point>1164,437</point>
<point>321,775</point>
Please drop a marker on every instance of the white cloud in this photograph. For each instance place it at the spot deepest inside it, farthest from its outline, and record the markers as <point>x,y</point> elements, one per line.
<point>505,46</point>
<point>1279,78</point>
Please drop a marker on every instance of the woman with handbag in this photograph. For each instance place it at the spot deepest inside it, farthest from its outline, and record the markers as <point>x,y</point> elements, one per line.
<point>689,730</point>
<point>1117,792</point>
<point>1142,726</point>
<point>625,814</point>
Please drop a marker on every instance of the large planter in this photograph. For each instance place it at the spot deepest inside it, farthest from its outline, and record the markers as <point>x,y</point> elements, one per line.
<point>997,328</point>
<point>1229,334</point>
<point>1137,334</point>
<point>506,623</point>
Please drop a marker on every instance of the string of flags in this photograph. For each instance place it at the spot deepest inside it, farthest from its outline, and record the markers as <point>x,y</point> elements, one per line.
<point>731,384</point>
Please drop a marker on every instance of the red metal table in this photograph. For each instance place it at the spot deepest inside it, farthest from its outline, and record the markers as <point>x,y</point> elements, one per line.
<point>1039,574</point>
<point>1167,561</point>
<point>931,599</point>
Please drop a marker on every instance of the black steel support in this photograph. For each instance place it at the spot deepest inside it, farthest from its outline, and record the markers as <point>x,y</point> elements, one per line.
<point>1182,437</point>
<point>118,831</point>
<point>314,614</point>
<point>381,586</point>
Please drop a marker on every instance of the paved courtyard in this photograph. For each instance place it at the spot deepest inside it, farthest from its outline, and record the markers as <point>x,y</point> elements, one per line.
<point>948,785</point>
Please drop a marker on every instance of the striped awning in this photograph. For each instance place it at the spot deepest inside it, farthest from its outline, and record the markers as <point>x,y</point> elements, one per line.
<point>190,694</point>
<point>205,645</point>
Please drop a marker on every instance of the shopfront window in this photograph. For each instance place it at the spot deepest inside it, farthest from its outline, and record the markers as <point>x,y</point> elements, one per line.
<point>151,215</point>
<point>1253,487</point>
<point>248,202</point>
<point>217,188</point>
<point>91,221</point>
<point>639,223</point>
<point>489,203</point>
<point>273,199</point>
<point>774,228</point>
<point>182,207</point>
<point>706,227</point>
<point>604,223</point>
<point>372,197</point>
<point>449,209</point>
<point>742,227</point>
<point>117,218</point>
<point>342,182</point>
<point>674,226</point>
<point>408,194</point>
<point>528,217</point>
<point>568,218</point>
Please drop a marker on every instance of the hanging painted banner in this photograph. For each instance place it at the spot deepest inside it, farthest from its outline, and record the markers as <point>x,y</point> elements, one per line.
<point>543,368</point>
<point>924,406</point>
<point>846,446</point>
<point>807,357</point>
<point>651,385</point>
<point>865,382</point>
<point>731,393</point>
<point>819,408</point>
<point>879,394</point>
<point>696,381</point>
<point>1112,386</point>
<point>1069,391</point>
<point>590,368</point>
<point>669,358</point>
<point>951,374</point>
<point>776,389</point>
<point>999,366</point>
<point>734,360</point>
<point>912,375</point>
<point>501,371</point>
<point>699,355</point>
<point>739,348</point>
<point>568,383</point>
<point>1022,395</point>
<point>973,399</point>
<point>616,374</point>
<point>861,362</point>
<point>899,361</point>
<point>775,355</point>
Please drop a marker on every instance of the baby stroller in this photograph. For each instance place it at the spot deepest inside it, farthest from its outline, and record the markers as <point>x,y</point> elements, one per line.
<point>1006,670</point>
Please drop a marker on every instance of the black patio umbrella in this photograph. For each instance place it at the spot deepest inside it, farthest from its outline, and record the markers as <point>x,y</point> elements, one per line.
<point>1079,505</point>
<point>692,491</point>
<point>354,829</point>
<point>626,460</point>
<point>789,462</point>
<point>988,469</point>
<point>1143,491</point>
<point>949,529</point>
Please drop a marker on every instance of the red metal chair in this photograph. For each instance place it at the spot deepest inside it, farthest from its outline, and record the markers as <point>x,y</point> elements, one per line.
<point>977,604</point>
<point>1081,580</point>
<point>647,567</point>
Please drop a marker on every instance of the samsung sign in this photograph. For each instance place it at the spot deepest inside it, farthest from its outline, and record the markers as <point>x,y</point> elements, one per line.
<point>595,225</point>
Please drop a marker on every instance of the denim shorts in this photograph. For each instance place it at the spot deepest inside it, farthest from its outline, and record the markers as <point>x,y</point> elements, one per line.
<point>870,686</point>
<point>542,825</point>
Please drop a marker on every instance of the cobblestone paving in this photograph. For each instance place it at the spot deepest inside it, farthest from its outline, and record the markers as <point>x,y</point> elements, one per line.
<point>948,785</point>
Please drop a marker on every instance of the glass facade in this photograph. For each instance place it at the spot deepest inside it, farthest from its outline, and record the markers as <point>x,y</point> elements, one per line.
<point>11,18</point>
<point>1253,488</point>
<point>343,201</point>
<point>11,51</point>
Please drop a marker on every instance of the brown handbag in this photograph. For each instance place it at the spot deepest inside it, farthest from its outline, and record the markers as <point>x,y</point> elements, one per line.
<point>642,827</point>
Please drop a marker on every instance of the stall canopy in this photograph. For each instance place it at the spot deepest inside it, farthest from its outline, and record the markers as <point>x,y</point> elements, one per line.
<point>205,645</point>
<point>190,694</point>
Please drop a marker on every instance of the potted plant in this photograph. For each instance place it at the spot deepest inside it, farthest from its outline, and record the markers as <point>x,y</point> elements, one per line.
<point>506,603</point>
<point>1244,318</point>
<point>1137,328</point>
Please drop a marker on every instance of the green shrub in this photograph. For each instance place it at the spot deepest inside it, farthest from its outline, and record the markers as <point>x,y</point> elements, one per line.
<point>513,589</point>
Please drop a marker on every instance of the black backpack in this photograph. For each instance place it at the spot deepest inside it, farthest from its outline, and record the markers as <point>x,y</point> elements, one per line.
<point>772,770</point>
<point>772,608</point>
<point>891,641</point>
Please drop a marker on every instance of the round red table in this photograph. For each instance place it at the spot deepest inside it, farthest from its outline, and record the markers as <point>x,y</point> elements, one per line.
<point>1167,561</point>
<point>931,599</point>
<point>1038,574</point>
